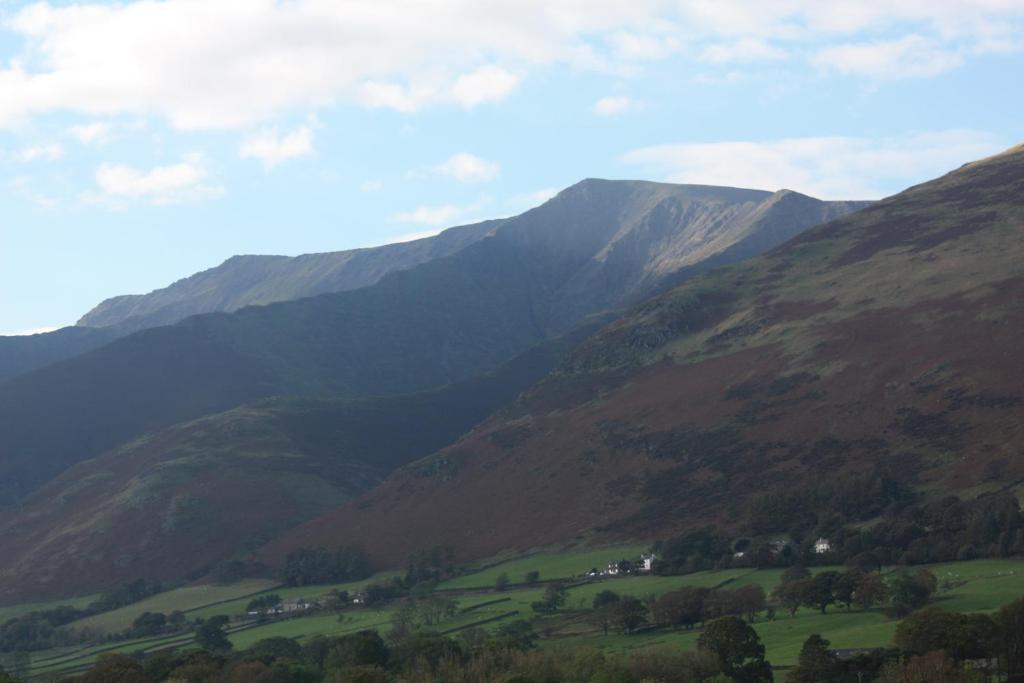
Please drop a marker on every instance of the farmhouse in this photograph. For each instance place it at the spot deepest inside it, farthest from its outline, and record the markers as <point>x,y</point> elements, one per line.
<point>822,546</point>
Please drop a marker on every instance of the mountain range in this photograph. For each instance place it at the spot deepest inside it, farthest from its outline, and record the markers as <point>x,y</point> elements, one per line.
<point>883,343</point>
<point>295,404</point>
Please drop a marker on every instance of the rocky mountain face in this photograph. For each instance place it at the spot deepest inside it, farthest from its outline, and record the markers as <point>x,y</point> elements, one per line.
<point>102,433</point>
<point>887,342</point>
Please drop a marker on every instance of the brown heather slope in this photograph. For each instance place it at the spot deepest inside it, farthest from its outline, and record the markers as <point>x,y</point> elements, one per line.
<point>890,338</point>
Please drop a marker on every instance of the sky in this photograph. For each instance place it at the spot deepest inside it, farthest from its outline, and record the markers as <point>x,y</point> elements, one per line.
<point>143,141</point>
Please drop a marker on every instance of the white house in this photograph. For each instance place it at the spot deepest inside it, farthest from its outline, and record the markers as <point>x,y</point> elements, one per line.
<point>822,546</point>
<point>647,562</point>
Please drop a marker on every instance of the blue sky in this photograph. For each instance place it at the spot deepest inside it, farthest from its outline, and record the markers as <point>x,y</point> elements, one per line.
<point>143,141</point>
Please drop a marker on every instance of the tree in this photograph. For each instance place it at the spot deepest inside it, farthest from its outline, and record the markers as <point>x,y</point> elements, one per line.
<point>263,603</point>
<point>790,595</point>
<point>750,600</point>
<point>363,648</point>
<point>501,583</point>
<point>845,587</point>
<point>910,591</point>
<point>604,609</point>
<point>817,664</point>
<point>210,635</point>
<point>738,649</point>
<point>819,590</point>
<point>1010,620</point>
<point>871,590</point>
<point>683,607</point>
<point>934,667</point>
<point>516,635</point>
<point>555,596</point>
<point>532,577</point>
<point>270,649</point>
<point>115,668</point>
<point>629,613</point>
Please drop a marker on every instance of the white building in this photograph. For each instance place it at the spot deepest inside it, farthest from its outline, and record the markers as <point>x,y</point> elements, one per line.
<point>647,562</point>
<point>822,546</point>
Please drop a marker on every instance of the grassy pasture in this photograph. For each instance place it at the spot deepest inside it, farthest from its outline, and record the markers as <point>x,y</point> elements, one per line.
<point>185,599</point>
<point>982,585</point>
<point>550,564</point>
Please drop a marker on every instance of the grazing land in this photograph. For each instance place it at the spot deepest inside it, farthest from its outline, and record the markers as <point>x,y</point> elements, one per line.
<point>975,586</point>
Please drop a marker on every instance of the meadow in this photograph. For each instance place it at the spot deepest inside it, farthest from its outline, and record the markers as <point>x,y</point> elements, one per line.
<point>982,585</point>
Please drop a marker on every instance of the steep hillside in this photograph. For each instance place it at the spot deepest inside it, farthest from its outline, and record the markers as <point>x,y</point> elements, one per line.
<point>596,246</point>
<point>256,280</point>
<point>887,341</point>
<point>173,503</point>
<point>22,354</point>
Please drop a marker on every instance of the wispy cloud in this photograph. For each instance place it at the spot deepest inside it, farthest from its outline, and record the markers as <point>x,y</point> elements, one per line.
<point>186,181</point>
<point>612,106</point>
<point>824,167</point>
<point>97,132</point>
<point>50,152</point>
<point>468,168</point>
<point>273,148</point>
<point>432,215</point>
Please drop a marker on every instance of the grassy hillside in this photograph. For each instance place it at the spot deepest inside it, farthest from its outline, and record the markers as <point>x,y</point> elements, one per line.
<point>175,502</point>
<point>883,342</point>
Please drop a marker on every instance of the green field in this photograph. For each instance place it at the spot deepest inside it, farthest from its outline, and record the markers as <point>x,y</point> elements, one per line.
<point>14,611</point>
<point>982,585</point>
<point>183,599</point>
<point>551,565</point>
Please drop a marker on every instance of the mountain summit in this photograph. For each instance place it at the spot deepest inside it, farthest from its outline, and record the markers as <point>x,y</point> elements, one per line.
<point>885,344</point>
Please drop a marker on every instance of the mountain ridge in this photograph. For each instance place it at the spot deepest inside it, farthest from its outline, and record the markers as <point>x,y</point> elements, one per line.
<point>879,342</point>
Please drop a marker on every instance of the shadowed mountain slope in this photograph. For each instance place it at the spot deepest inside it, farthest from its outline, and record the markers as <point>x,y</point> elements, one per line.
<point>175,502</point>
<point>885,341</point>
<point>596,246</point>
<point>22,354</point>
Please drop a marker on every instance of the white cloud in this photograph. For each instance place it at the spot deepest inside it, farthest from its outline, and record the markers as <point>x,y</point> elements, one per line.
<point>91,133</point>
<point>468,168</point>
<point>907,57</point>
<point>432,215</point>
<point>371,186</point>
<point>273,148</point>
<point>824,167</point>
<point>182,182</point>
<point>50,152</point>
<point>611,106</point>
<point>541,196</point>
<point>742,50</point>
<point>244,61</point>
<point>487,84</point>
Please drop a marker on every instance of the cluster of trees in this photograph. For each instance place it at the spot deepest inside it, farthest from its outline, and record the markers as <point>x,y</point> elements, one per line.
<point>310,566</point>
<point>157,623</point>
<point>263,603</point>
<point>729,651</point>
<point>689,606</point>
<point>901,592</point>
<point>125,594</point>
<point>43,629</point>
<point>690,552</point>
<point>930,646</point>
<point>941,530</point>
<point>784,526</point>
<point>430,567</point>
